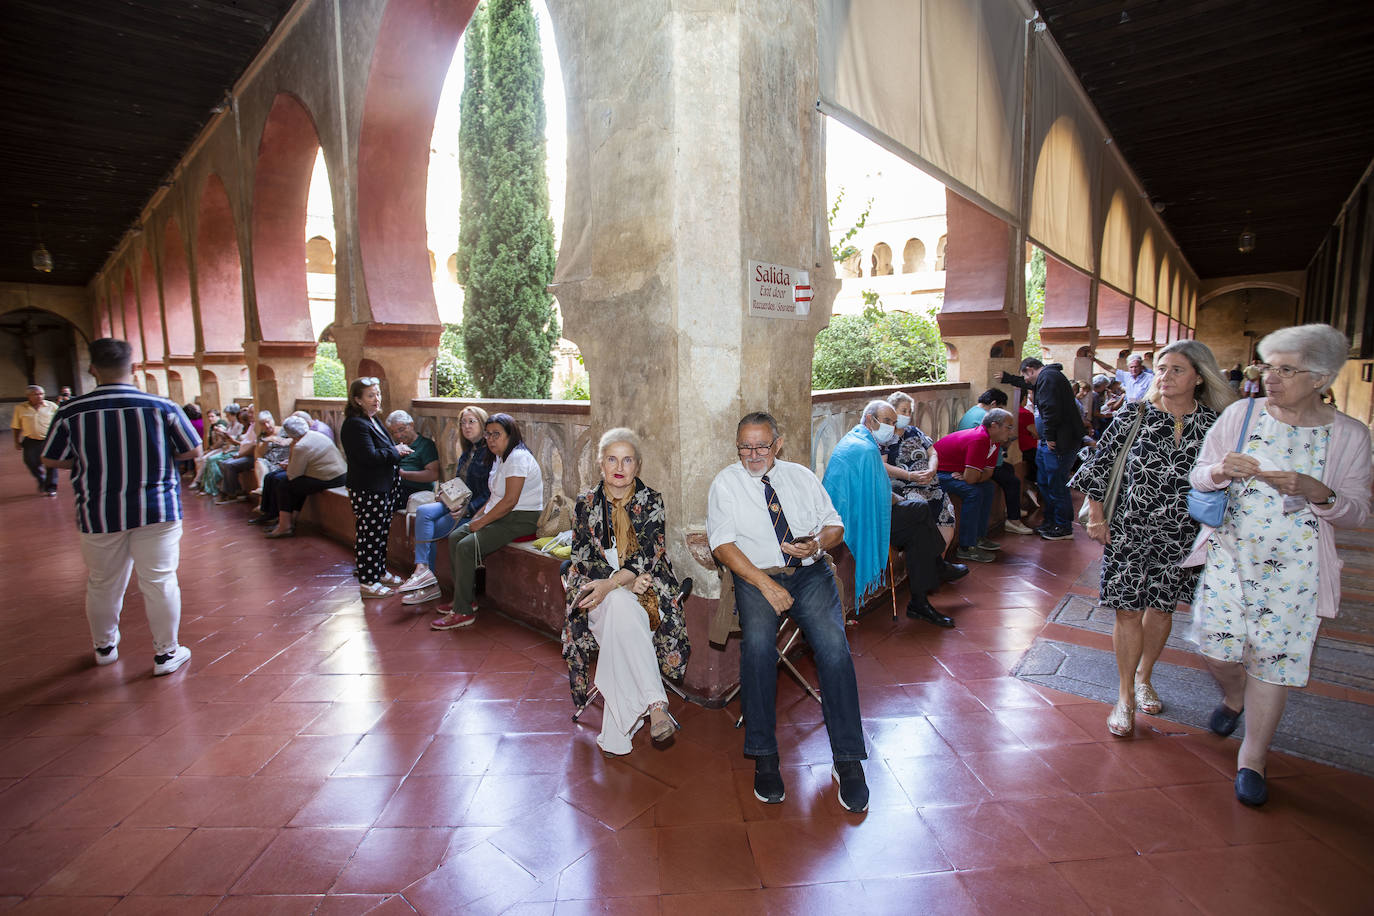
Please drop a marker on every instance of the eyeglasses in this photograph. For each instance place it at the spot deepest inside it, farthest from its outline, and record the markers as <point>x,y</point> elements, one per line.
<point>368,381</point>
<point>755,449</point>
<point>493,433</point>
<point>1280,371</point>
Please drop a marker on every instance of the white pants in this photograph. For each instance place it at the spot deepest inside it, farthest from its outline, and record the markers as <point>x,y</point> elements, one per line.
<point>153,550</point>
<point>626,668</point>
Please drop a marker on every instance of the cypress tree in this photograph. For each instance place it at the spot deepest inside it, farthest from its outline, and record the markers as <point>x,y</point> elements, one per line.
<point>472,152</point>
<point>509,325</point>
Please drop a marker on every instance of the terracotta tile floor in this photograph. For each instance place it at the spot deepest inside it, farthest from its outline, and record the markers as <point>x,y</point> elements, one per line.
<point>322,756</point>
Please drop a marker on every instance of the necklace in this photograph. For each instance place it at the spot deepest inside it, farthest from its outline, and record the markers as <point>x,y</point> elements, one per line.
<point>1178,421</point>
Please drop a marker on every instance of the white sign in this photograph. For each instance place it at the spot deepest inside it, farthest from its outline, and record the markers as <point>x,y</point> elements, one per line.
<point>777,291</point>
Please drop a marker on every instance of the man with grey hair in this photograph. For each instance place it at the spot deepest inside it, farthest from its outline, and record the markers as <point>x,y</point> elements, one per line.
<point>30,424</point>
<point>1099,413</point>
<point>967,460</point>
<point>1135,378</point>
<point>419,469</point>
<point>318,426</point>
<point>875,518</point>
<point>769,522</point>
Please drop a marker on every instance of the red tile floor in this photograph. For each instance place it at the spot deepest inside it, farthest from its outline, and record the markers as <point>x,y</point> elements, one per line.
<point>322,756</point>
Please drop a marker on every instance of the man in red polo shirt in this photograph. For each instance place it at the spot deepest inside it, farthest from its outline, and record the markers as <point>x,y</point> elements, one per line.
<point>967,459</point>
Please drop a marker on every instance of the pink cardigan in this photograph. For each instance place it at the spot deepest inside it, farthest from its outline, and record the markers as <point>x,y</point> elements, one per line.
<point>1348,472</point>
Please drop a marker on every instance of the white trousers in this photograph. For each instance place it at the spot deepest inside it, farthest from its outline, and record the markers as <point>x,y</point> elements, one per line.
<point>153,550</point>
<point>626,668</point>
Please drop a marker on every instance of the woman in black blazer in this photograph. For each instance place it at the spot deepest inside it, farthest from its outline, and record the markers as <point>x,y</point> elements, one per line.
<point>373,482</point>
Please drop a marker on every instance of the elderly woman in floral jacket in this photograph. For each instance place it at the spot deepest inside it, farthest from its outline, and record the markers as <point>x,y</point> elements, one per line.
<point>623,600</point>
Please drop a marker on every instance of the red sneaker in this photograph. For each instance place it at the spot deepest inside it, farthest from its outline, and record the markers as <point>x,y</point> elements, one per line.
<point>453,621</point>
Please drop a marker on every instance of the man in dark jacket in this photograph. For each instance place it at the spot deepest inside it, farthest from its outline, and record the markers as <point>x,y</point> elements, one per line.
<point>1060,427</point>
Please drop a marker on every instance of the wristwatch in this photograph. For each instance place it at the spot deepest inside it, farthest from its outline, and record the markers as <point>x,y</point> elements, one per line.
<point>1328,502</point>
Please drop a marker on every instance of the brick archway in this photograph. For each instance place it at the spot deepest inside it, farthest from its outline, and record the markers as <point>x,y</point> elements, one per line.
<point>219,273</point>
<point>133,330</point>
<point>176,293</point>
<point>415,45</point>
<point>150,307</point>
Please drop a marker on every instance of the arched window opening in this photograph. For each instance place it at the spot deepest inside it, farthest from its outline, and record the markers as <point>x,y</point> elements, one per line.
<point>940,253</point>
<point>882,260</point>
<point>913,256</point>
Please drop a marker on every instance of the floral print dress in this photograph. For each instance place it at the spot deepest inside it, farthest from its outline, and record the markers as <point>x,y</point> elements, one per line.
<point>915,451</point>
<point>1256,602</point>
<point>589,562</point>
<point>1151,531</point>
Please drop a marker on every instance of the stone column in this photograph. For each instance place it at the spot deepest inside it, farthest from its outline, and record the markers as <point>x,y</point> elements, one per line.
<point>400,354</point>
<point>280,373</point>
<point>983,318</point>
<point>694,148</point>
<point>224,369</point>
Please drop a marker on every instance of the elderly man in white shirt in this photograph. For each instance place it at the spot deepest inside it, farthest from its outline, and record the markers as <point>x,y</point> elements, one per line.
<point>768,522</point>
<point>1135,378</point>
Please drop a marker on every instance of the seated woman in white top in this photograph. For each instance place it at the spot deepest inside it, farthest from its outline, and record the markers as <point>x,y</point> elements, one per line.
<point>512,511</point>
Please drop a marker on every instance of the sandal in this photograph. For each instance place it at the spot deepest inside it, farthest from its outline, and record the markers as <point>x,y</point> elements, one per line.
<point>662,725</point>
<point>375,590</point>
<point>1122,721</point>
<point>1147,701</point>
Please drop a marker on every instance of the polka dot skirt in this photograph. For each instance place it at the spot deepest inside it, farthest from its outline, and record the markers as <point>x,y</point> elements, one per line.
<point>373,513</point>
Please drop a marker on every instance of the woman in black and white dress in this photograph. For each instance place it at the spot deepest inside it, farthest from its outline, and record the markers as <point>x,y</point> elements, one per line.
<point>1150,530</point>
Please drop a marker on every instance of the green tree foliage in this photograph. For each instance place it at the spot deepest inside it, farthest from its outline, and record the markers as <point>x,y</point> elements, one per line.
<point>878,348</point>
<point>330,381</point>
<point>509,324</point>
<point>451,377</point>
<point>842,250</point>
<point>577,390</point>
<point>472,151</point>
<point>1035,303</point>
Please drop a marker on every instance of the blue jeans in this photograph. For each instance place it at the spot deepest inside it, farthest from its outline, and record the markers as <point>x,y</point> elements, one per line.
<point>816,610</point>
<point>432,520</point>
<point>976,508</point>
<point>1054,487</point>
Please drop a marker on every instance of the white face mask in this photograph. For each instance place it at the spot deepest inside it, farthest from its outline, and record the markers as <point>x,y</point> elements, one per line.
<point>903,421</point>
<point>883,434</point>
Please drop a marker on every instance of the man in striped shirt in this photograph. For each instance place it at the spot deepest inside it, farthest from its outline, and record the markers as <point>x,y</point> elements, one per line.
<point>122,446</point>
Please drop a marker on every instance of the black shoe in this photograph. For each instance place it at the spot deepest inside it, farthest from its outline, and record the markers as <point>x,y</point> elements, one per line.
<point>923,610</point>
<point>1251,788</point>
<point>1056,534</point>
<point>768,787</point>
<point>1223,720</point>
<point>952,572</point>
<point>263,520</point>
<point>853,787</point>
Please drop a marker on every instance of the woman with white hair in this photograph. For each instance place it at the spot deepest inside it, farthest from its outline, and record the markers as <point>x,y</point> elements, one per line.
<point>1270,571</point>
<point>623,600</point>
<point>314,465</point>
<point>1149,530</point>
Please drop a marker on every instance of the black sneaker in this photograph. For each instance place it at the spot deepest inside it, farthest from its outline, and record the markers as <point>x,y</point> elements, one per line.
<point>1056,534</point>
<point>768,787</point>
<point>853,787</point>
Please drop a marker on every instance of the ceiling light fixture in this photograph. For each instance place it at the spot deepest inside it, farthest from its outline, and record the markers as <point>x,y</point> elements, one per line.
<point>42,260</point>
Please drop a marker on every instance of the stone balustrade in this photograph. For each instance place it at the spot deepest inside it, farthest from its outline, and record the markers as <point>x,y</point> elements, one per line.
<point>560,435</point>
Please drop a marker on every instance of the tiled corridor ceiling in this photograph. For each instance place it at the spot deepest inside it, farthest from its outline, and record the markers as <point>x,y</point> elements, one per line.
<point>99,99</point>
<point>1233,113</point>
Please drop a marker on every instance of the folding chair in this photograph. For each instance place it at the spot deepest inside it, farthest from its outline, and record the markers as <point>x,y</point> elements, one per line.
<point>595,692</point>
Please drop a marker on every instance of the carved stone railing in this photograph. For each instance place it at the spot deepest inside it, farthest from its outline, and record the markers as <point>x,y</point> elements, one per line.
<point>560,436</point>
<point>939,406</point>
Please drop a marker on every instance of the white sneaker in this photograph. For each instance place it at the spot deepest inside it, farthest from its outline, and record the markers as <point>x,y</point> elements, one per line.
<point>166,664</point>
<point>420,596</point>
<point>421,578</point>
<point>1016,527</point>
<point>108,655</point>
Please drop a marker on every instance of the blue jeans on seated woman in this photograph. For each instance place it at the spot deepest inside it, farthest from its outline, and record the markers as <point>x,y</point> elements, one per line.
<point>816,611</point>
<point>433,522</point>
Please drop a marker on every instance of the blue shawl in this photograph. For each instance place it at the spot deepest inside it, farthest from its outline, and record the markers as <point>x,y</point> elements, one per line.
<point>858,486</point>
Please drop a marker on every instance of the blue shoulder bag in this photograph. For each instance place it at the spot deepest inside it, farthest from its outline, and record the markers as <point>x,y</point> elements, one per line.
<point>1208,507</point>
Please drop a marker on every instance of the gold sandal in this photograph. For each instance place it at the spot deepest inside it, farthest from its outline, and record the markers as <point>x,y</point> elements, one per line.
<point>1122,721</point>
<point>1147,701</point>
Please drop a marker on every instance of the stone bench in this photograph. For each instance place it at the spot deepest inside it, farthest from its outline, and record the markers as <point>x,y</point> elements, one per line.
<point>521,581</point>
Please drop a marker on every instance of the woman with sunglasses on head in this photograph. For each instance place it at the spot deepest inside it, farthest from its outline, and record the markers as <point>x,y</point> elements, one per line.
<point>373,481</point>
<point>1270,571</point>
<point>512,510</point>
<point>433,521</point>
